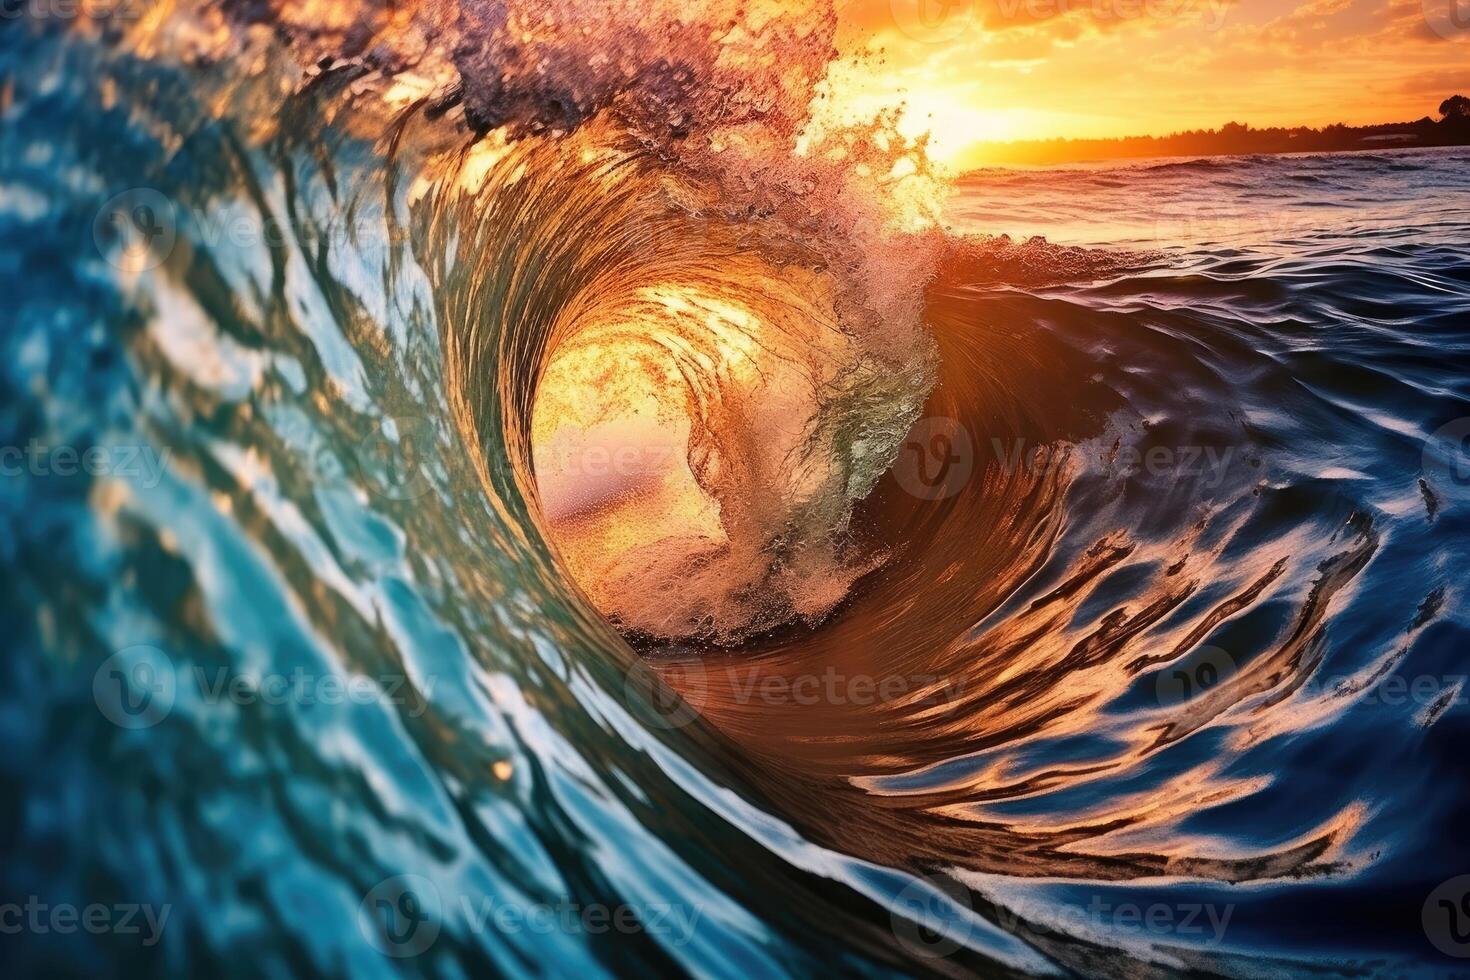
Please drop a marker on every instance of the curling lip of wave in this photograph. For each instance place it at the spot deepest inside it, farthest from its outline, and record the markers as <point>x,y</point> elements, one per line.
<point>1039,747</point>
<point>693,270</point>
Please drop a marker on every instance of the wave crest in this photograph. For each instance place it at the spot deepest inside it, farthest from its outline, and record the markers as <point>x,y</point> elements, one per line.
<point>679,261</point>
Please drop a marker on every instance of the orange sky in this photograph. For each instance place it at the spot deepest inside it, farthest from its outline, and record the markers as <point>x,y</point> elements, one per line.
<point>976,70</point>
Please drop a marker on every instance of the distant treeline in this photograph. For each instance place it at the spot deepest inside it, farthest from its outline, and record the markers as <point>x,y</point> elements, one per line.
<point>1451,129</point>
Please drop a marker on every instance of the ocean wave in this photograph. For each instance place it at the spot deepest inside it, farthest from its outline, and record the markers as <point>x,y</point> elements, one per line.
<point>715,532</point>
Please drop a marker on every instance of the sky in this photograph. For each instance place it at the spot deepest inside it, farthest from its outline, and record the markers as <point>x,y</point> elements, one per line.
<point>984,70</point>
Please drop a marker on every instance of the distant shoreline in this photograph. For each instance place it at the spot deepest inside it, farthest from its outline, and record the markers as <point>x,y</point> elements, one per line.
<point>1168,157</point>
<point>1237,139</point>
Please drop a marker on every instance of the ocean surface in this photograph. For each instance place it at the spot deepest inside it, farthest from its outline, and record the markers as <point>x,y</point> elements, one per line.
<point>1159,669</point>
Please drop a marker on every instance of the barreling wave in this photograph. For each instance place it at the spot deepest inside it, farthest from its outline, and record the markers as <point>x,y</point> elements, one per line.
<point>605,272</point>
<point>684,258</point>
<point>878,503</point>
<point>585,282</point>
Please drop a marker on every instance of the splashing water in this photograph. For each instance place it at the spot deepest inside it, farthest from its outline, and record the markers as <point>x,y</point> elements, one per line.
<point>531,454</point>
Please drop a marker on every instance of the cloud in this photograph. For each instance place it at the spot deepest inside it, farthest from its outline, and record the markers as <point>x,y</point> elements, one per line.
<point>1044,68</point>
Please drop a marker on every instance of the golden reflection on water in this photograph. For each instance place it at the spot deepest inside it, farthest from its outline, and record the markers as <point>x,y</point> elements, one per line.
<point>901,732</point>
